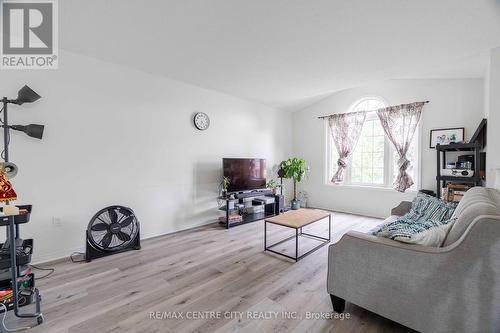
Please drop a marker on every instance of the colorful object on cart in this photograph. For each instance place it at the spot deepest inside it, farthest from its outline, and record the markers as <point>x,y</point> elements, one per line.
<point>7,192</point>
<point>26,281</point>
<point>5,295</point>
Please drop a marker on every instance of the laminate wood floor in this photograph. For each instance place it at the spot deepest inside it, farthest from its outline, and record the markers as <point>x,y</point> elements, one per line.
<point>199,270</point>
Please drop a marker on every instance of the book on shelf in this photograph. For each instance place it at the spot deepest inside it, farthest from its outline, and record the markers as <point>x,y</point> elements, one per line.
<point>454,192</point>
<point>232,218</point>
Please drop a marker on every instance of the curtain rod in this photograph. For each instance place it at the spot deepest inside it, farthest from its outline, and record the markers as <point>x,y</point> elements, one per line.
<point>323,117</point>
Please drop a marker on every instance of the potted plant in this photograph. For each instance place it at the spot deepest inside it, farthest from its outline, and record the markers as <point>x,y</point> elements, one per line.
<point>225,185</point>
<point>273,186</point>
<point>295,169</point>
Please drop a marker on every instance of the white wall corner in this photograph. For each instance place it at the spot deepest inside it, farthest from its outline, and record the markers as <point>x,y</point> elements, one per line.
<point>492,104</point>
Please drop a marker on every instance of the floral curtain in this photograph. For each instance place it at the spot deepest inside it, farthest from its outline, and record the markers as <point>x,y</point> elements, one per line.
<point>399,123</point>
<point>346,130</point>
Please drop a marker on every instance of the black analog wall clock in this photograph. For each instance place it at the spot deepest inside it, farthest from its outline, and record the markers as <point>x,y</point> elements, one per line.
<point>201,121</point>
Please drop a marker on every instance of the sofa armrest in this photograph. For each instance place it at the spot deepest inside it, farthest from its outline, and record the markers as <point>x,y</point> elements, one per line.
<point>401,209</point>
<point>449,289</point>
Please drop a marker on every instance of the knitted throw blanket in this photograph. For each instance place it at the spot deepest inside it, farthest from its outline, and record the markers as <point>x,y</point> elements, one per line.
<point>426,213</point>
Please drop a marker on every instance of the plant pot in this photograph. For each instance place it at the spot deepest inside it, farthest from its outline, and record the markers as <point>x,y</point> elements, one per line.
<point>295,204</point>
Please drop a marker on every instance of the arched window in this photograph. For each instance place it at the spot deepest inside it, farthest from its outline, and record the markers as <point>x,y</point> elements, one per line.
<point>374,160</point>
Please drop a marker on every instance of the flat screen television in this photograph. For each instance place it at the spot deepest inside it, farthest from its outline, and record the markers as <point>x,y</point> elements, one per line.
<point>245,173</point>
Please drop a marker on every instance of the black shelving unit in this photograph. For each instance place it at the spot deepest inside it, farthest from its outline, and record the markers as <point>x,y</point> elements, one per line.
<point>441,151</point>
<point>269,211</point>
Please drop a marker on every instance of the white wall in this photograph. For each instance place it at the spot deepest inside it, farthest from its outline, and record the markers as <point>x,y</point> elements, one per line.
<point>115,135</point>
<point>493,132</point>
<point>453,103</point>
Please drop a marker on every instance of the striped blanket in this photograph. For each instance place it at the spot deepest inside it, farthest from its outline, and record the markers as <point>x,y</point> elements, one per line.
<point>427,223</point>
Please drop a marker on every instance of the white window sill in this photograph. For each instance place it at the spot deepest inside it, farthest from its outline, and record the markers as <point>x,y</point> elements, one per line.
<point>370,187</point>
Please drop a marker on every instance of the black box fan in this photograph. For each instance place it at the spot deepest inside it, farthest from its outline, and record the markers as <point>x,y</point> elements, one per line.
<point>111,230</point>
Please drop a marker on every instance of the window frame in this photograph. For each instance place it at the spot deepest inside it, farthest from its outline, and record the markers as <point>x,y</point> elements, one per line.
<point>388,155</point>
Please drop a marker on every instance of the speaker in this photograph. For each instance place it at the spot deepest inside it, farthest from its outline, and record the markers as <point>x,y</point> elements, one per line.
<point>465,162</point>
<point>279,205</point>
<point>482,165</point>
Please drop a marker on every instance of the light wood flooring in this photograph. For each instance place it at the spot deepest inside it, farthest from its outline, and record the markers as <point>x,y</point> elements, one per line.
<point>204,269</point>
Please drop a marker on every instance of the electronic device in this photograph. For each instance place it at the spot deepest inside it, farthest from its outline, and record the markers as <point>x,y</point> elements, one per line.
<point>252,194</point>
<point>482,164</point>
<point>257,202</point>
<point>451,165</point>
<point>230,204</point>
<point>254,209</point>
<point>279,207</point>
<point>465,162</point>
<point>457,172</point>
<point>111,230</point>
<point>266,199</point>
<point>245,173</point>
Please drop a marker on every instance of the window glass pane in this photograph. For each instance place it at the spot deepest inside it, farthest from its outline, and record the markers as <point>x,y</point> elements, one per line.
<point>366,143</point>
<point>378,160</point>
<point>378,129</point>
<point>356,160</point>
<point>379,144</point>
<point>356,175</point>
<point>368,128</point>
<point>367,161</point>
<point>369,155</point>
<point>378,175</point>
<point>367,176</point>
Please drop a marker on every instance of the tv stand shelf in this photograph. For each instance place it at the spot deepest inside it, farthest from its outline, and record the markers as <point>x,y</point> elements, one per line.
<point>269,209</point>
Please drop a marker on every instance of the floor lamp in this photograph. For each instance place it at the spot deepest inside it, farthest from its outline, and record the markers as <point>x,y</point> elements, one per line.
<point>25,95</point>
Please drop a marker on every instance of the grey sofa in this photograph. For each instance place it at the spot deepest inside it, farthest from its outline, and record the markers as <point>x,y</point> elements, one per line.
<point>454,288</point>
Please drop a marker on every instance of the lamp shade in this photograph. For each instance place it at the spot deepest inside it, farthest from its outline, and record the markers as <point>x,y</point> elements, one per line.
<point>33,130</point>
<point>26,95</point>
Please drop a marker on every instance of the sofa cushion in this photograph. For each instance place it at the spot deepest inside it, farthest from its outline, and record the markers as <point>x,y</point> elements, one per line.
<point>476,202</point>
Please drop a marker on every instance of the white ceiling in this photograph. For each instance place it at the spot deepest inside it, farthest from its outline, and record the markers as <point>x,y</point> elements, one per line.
<point>285,53</point>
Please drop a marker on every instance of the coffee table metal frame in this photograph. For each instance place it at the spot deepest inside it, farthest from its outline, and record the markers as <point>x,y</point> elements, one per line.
<point>298,232</point>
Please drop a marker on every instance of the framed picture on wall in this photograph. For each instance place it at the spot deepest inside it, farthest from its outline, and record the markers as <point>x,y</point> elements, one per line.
<point>445,136</point>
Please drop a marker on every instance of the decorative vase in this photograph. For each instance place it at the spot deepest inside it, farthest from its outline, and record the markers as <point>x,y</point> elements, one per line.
<point>295,204</point>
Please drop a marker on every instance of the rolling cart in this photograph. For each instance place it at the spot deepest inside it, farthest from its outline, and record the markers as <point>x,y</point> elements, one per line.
<point>15,257</point>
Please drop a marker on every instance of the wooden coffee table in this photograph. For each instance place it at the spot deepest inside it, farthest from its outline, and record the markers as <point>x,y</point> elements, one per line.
<point>297,219</point>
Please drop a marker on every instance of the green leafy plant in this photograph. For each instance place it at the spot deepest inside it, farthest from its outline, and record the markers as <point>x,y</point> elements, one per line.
<point>296,169</point>
<point>225,183</point>
<point>273,185</point>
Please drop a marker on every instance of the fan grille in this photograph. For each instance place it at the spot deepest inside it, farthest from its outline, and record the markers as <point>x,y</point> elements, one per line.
<point>113,228</point>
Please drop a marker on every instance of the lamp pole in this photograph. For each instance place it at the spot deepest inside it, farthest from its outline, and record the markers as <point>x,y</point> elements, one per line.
<point>11,235</point>
<point>5,101</point>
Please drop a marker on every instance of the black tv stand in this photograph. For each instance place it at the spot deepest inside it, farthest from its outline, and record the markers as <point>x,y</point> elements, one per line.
<point>252,193</point>
<point>269,209</point>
